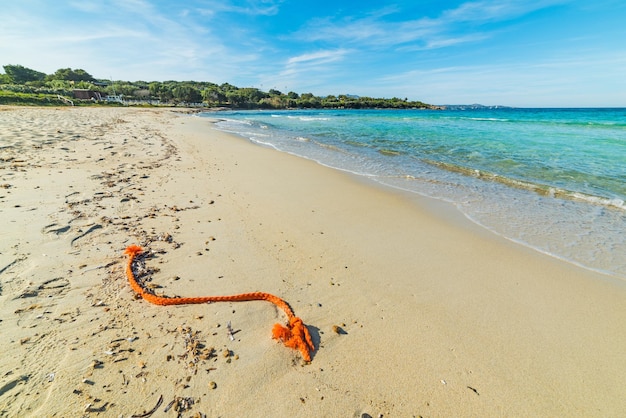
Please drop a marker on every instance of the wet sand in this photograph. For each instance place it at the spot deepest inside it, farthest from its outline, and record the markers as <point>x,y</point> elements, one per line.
<point>413,310</point>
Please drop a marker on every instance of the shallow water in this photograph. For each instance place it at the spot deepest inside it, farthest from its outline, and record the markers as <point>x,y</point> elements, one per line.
<point>552,179</point>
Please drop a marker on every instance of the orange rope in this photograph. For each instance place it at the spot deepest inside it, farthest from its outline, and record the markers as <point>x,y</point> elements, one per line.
<point>294,335</point>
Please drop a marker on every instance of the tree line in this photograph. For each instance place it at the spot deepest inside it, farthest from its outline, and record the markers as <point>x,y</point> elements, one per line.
<point>18,79</point>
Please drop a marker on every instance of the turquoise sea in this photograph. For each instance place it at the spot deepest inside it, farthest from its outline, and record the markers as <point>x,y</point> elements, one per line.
<point>551,179</point>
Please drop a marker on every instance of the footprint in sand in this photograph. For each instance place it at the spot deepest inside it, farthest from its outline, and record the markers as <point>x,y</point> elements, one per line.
<point>52,287</point>
<point>50,229</point>
<point>90,230</point>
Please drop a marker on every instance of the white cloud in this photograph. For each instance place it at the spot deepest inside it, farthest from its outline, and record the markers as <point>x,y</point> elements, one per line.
<point>248,7</point>
<point>424,32</point>
<point>127,40</point>
<point>318,57</point>
<point>375,52</point>
<point>494,10</point>
<point>87,6</point>
<point>559,82</point>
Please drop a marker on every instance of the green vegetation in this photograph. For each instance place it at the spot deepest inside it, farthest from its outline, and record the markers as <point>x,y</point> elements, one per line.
<point>39,99</point>
<point>21,85</point>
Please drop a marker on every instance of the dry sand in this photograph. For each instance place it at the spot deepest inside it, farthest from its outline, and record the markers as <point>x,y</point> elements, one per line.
<point>436,317</point>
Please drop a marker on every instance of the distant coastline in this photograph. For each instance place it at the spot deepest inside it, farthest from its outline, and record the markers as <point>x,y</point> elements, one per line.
<point>473,107</point>
<point>25,86</point>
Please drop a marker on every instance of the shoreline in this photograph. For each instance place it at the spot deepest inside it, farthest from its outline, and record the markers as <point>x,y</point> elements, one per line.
<point>437,318</point>
<point>551,224</point>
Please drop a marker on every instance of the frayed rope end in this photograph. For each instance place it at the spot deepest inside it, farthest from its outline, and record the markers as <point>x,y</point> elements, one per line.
<point>295,335</point>
<point>133,250</point>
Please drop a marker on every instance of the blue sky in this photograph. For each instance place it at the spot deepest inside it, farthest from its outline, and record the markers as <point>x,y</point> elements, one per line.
<point>528,53</point>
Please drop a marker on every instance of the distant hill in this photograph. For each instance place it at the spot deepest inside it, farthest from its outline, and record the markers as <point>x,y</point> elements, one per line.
<point>474,106</point>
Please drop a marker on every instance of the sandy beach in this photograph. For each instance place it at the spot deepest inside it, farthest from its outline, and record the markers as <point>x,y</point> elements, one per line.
<point>413,310</point>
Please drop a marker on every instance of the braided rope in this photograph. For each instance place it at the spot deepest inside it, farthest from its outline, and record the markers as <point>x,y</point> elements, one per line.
<point>295,335</point>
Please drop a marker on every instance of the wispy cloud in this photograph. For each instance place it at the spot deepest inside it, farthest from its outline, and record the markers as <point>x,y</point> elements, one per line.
<point>320,57</point>
<point>493,10</point>
<point>316,64</point>
<point>88,6</point>
<point>249,7</point>
<point>377,30</point>
<point>443,41</point>
<point>492,51</point>
<point>306,71</point>
<point>556,82</point>
<point>125,39</point>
